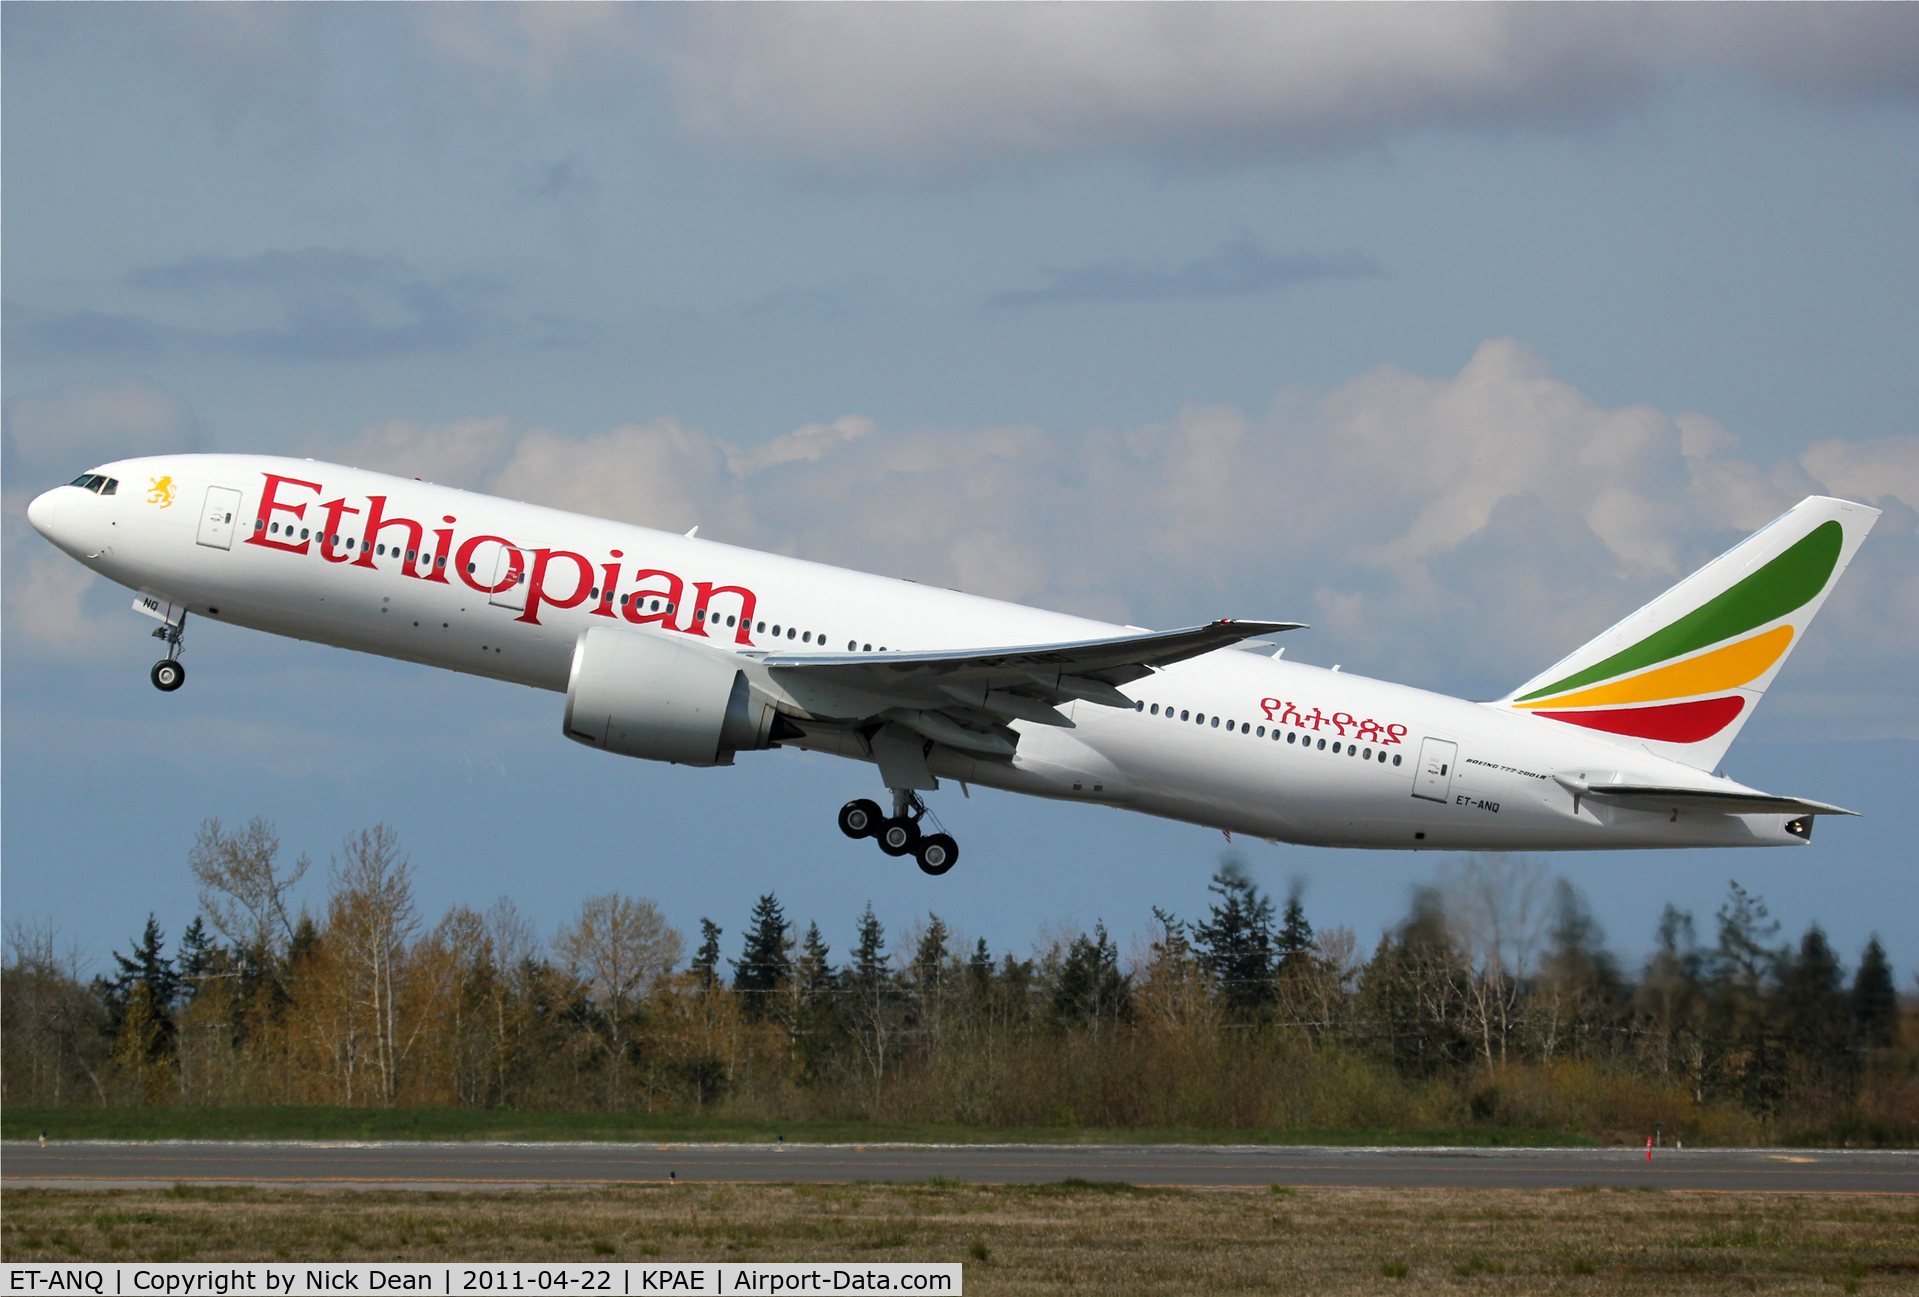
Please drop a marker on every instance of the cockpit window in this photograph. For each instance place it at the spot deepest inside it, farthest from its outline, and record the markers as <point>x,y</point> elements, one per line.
<point>97,483</point>
<point>112,485</point>
<point>85,479</point>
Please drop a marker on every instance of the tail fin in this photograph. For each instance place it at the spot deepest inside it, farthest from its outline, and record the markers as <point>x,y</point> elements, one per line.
<point>1681,676</point>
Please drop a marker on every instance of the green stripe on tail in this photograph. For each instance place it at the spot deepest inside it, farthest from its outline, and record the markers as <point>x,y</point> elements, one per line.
<point>1786,583</point>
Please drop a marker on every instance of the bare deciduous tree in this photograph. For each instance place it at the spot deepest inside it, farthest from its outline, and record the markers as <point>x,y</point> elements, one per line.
<point>371,922</point>
<point>619,946</point>
<point>243,891</point>
<point>1497,908</point>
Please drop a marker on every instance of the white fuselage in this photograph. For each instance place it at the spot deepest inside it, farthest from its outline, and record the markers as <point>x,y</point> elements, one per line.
<point>1285,751</point>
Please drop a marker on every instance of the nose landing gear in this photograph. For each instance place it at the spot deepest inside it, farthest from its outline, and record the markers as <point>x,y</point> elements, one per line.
<point>168,674</point>
<point>900,835</point>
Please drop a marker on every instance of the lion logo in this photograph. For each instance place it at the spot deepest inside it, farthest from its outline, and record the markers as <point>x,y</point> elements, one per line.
<point>161,492</point>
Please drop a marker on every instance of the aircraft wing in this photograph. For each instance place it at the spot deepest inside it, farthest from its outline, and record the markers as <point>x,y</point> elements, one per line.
<point>1656,797</point>
<point>962,697</point>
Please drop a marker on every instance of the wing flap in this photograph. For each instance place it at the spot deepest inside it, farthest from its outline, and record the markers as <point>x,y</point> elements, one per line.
<point>1076,669</point>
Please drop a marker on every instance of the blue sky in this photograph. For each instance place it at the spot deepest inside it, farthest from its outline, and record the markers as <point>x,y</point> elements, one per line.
<point>1457,332</point>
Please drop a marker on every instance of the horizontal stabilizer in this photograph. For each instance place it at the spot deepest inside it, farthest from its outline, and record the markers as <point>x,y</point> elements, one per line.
<point>1657,797</point>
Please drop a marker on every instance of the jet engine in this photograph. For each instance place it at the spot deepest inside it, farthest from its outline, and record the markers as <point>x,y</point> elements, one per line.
<point>647,694</point>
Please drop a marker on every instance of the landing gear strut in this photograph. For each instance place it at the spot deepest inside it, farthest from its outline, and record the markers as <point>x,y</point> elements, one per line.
<point>168,674</point>
<point>900,834</point>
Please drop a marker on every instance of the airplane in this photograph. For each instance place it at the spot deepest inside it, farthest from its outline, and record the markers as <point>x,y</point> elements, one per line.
<point>678,649</point>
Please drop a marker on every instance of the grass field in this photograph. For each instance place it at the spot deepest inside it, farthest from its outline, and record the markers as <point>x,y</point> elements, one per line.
<point>464,1123</point>
<point>1067,1238</point>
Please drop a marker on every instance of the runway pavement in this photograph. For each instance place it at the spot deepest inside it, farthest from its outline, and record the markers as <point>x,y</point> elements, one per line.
<point>98,1165</point>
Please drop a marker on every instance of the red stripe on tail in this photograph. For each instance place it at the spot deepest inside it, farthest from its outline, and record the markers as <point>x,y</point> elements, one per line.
<point>1671,723</point>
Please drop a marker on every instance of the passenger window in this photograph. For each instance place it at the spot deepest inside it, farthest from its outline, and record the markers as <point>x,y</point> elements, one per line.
<point>1229,727</point>
<point>807,638</point>
<point>1322,745</point>
<point>866,648</point>
<point>729,621</point>
<point>776,630</point>
<point>1367,755</point>
<point>1139,706</point>
<point>411,555</point>
<point>258,524</point>
<point>1183,716</point>
<point>852,646</point>
<point>1262,732</point>
<point>1395,758</point>
<point>1155,710</point>
<point>1291,735</point>
<point>761,628</point>
<point>303,533</point>
<point>593,593</point>
<point>1215,722</point>
<point>789,632</point>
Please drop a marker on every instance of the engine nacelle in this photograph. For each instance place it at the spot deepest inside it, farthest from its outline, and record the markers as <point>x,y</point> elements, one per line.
<point>646,694</point>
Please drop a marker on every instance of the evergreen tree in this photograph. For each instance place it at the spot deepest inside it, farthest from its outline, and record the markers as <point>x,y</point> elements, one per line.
<point>872,1003</point>
<point>1742,1037</point>
<point>1744,961</point>
<point>979,974</point>
<point>1091,988</point>
<point>820,1024</point>
<point>1812,999</point>
<point>1875,999</point>
<point>706,960</point>
<point>813,975</point>
<point>199,958</point>
<point>1295,937</point>
<point>763,966</point>
<point>929,960</point>
<point>1236,944</point>
<point>151,974</point>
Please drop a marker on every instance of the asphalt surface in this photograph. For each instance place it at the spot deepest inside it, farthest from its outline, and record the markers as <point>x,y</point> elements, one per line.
<point>99,1165</point>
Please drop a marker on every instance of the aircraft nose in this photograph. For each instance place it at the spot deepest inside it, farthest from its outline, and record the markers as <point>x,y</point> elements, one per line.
<point>43,511</point>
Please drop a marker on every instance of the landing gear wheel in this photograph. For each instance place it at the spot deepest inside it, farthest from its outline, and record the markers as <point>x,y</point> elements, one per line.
<point>937,853</point>
<point>899,836</point>
<point>860,819</point>
<point>168,675</point>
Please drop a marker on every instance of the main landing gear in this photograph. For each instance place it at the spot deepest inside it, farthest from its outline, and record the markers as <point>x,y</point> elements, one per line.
<point>168,674</point>
<point>900,835</point>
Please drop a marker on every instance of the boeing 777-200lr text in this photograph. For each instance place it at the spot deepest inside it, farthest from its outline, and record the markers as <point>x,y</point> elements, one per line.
<point>678,649</point>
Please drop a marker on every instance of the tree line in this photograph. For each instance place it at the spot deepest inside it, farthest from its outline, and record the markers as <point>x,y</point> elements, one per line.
<point>1495,1000</point>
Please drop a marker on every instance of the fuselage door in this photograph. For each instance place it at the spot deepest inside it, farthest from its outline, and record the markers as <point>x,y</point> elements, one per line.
<point>216,519</point>
<point>1434,780</point>
<point>509,576</point>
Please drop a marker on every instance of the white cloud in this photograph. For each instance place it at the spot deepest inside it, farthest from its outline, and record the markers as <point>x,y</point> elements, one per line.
<point>1873,471</point>
<point>1457,532</point>
<point>852,87</point>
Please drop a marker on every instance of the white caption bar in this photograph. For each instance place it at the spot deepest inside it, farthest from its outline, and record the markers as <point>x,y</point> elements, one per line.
<point>287,1280</point>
